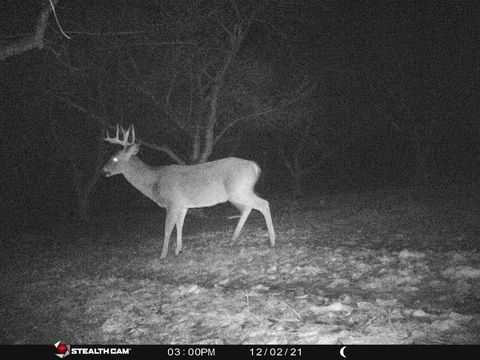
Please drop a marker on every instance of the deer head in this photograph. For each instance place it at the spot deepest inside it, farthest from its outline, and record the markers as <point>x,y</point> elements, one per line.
<point>118,162</point>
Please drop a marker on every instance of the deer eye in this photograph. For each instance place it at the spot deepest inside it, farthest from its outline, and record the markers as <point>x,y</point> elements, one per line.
<point>115,159</point>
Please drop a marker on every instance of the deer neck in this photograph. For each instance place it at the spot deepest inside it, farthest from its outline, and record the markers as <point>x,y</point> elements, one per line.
<point>140,175</point>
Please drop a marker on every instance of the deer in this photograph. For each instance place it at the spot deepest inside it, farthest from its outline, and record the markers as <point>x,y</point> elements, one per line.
<point>178,188</point>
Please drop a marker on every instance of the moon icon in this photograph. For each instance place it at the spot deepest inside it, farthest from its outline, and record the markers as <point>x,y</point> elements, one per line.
<point>342,352</point>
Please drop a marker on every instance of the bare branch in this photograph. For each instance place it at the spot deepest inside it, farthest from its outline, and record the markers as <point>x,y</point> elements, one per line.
<point>165,149</point>
<point>84,110</point>
<point>30,41</point>
<point>226,30</point>
<point>298,94</point>
<point>56,19</point>
<point>242,118</point>
<point>235,7</point>
<point>151,96</point>
<point>170,88</point>
<point>86,33</point>
<point>145,92</point>
<point>155,43</point>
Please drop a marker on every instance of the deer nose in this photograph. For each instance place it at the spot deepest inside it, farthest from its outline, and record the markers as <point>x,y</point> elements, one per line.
<point>106,172</point>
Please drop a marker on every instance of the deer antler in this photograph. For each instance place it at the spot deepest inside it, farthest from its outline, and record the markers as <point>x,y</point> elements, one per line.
<point>125,135</point>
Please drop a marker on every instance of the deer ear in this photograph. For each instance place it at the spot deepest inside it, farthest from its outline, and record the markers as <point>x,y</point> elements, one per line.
<point>133,150</point>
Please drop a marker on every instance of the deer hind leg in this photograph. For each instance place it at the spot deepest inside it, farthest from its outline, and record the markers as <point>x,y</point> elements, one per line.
<point>245,211</point>
<point>180,220</point>
<point>262,205</point>
<point>170,221</point>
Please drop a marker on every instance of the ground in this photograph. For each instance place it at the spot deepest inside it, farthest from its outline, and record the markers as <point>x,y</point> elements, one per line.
<point>377,267</point>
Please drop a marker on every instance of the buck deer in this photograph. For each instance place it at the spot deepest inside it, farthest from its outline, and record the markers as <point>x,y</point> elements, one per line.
<point>178,188</point>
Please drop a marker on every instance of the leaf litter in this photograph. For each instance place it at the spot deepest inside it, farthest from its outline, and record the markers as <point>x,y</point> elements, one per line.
<point>302,292</point>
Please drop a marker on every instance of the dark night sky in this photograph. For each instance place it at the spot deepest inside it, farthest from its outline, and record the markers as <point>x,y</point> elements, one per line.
<point>425,52</point>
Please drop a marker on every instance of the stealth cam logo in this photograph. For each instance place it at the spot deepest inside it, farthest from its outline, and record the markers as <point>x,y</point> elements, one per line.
<point>62,349</point>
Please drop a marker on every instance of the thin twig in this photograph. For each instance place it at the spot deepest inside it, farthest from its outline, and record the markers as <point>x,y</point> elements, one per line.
<point>237,120</point>
<point>106,33</point>
<point>165,149</point>
<point>158,43</point>
<point>296,313</point>
<point>58,23</point>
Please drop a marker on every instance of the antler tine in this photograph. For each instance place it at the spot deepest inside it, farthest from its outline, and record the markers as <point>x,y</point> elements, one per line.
<point>126,134</point>
<point>116,140</point>
<point>107,137</point>
<point>130,132</point>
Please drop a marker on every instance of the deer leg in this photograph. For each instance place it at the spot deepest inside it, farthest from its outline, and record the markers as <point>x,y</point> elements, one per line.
<point>180,220</point>
<point>261,205</point>
<point>171,219</point>
<point>245,211</point>
<point>264,207</point>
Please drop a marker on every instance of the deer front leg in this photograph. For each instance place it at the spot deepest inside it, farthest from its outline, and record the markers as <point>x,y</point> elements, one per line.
<point>180,220</point>
<point>170,220</point>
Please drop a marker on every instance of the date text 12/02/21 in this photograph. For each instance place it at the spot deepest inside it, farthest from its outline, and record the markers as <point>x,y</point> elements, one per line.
<point>275,351</point>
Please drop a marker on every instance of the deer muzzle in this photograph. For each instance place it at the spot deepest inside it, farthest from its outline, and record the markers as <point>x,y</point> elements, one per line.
<point>106,172</point>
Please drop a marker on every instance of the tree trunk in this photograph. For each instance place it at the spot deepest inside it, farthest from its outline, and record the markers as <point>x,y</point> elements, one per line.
<point>236,38</point>
<point>84,186</point>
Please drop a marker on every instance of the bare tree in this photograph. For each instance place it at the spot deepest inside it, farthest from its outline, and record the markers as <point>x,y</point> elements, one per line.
<point>189,68</point>
<point>85,165</point>
<point>204,91</point>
